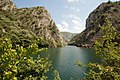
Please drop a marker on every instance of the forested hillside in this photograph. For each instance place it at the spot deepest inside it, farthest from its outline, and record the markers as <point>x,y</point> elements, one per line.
<point>27,24</point>
<point>97,18</point>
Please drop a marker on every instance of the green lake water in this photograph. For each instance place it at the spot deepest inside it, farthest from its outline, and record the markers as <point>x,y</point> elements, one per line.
<point>64,59</point>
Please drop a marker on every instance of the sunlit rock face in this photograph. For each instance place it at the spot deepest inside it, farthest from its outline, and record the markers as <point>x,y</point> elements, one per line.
<point>39,21</point>
<point>7,5</point>
<point>97,18</point>
<point>67,36</point>
<point>30,23</point>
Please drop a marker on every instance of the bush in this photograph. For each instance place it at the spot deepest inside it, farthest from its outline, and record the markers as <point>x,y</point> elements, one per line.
<point>109,2</point>
<point>17,64</point>
<point>56,75</point>
<point>108,50</point>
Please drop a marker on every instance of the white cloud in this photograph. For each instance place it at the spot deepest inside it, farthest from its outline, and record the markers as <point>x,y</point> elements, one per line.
<point>66,7</point>
<point>74,16</point>
<point>72,8</point>
<point>75,9</point>
<point>63,26</point>
<point>71,16</point>
<point>76,24</point>
<point>70,1</point>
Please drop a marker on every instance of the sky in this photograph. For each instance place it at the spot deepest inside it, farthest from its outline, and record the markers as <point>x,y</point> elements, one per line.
<point>69,15</point>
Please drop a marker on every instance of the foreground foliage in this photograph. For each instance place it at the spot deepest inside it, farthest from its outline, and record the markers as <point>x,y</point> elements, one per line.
<point>56,75</point>
<point>108,49</point>
<point>17,64</point>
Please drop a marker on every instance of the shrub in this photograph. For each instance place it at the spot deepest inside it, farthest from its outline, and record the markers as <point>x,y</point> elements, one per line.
<point>108,50</point>
<point>56,75</point>
<point>17,64</point>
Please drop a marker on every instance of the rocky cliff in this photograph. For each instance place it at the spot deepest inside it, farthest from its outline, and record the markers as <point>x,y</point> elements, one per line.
<point>7,5</point>
<point>109,10</point>
<point>30,23</point>
<point>39,21</point>
<point>67,36</point>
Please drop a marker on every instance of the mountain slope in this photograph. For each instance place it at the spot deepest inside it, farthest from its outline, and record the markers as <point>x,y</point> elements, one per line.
<point>31,23</point>
<point>67,36</point>
<point>9,27</point>
<point>39,21</point>
<point>7,5</point>
<point>110,11</point>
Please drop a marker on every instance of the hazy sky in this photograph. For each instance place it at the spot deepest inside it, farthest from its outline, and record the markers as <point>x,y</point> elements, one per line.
<point>69,15</point>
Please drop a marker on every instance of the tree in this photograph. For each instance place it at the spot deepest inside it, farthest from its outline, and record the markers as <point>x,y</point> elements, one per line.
<point>109,1</point>
<point>56,75</point>
<point>108,50</point>
<point>17,64</point>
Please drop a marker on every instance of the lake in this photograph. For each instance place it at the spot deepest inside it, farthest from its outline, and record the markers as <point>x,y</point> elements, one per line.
<point>65,58</point>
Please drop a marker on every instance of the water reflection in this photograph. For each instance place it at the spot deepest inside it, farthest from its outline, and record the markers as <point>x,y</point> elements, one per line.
<point>64,59</point>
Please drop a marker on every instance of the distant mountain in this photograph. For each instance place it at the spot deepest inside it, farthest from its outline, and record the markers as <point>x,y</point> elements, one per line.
<point>27,24</point>
<point>109,10</point>
<point>67,36</point>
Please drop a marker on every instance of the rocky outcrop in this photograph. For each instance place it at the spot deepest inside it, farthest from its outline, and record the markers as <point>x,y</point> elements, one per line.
<point>7,5</point>
<point>39,21</point>
<point>109,10</point>
<point>67,36</point>
<point>34,22</point>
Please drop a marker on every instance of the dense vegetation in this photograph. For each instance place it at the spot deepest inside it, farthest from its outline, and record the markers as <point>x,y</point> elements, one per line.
<point>108,49</point>
<point>109,10</point>
<point>18,35</point>
<point>38,21</point>
<point>18,43</point>
<point>17,46</point>
<point>24,33</point>
<point>18,63</point>
<point>25,25</point>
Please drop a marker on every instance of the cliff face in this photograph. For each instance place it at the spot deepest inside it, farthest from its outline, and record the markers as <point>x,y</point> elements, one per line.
<point>111,11</point>
<point>36,22</point>
<point>39,21</point>
<point>9,27</point>
<point>7,5</point>
<point>67,36</point>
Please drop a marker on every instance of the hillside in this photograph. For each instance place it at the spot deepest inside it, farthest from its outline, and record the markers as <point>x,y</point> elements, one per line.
<point>7,5</point>
<point>28,24</point>
<point>67,36</point>
<point>110,11</point>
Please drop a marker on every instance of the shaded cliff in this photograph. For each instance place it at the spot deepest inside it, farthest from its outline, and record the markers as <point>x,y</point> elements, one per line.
<point>29,24</point>
<point>110,11</point>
